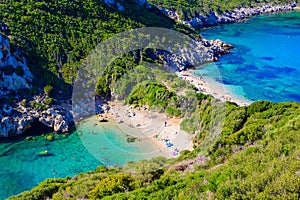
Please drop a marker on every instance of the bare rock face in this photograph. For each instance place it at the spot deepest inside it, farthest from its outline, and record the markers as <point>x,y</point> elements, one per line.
<point>202,51</point>
<point>60,125</point>
<point>21,120</point>
<point>14,74</point>
<point>236,15</point>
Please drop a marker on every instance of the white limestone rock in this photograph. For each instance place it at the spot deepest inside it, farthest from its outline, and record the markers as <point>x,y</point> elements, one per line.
<point>60,125</point>
<point>11,81</point>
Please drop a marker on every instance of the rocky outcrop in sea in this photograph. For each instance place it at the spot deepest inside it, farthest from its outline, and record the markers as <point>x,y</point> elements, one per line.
<point>17,117</point>
<point>236,15</point>
<point>204,51</point>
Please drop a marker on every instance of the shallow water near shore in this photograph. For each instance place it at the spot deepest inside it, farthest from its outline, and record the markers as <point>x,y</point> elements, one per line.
<point>21,166</point>
<point>108,142</point>
<point>265,63</point>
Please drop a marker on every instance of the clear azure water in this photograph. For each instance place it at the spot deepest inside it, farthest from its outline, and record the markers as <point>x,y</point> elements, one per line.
<point>265,63</point>
<point>108,142</point>
<point>21,166</point>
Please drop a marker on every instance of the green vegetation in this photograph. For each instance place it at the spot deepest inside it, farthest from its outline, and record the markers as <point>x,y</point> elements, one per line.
<point>190,8</point>
<point>56,36</point>
<point>155,95</point>
<point>48,90</point>
<point>37,106</point>
<point>257,152</point>
<point>111,185</point>
<point>48,101</point>
<point>257,156</point>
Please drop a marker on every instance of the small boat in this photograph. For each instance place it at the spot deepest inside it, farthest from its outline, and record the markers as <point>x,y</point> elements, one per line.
<point>44,153</point>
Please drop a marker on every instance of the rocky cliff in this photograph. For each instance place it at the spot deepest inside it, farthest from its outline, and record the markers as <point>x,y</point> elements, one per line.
<point>17,117</point>
<point>204,51</point>
<point>236,15</point>
<point>14,74</point>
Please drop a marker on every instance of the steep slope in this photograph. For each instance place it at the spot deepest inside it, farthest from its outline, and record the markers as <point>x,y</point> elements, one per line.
<point>248,163</point>
<point>56,35</point>
<point>14,74</point>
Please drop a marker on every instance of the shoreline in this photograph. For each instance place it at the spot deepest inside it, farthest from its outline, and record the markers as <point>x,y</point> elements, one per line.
<point>229,16</point>
<point>150,125</point>
<point>217,90</point>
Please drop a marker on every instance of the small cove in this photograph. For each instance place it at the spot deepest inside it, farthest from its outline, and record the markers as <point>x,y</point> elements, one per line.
<point>264,64</point>
<point>91,145</point>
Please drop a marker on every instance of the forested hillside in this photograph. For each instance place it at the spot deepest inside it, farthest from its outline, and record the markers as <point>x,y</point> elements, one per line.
<point>56,36</point>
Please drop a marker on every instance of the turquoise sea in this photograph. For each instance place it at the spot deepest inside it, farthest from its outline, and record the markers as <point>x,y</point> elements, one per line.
<point>265,64</point>
<point>93,144</point>
<point>21,167</point>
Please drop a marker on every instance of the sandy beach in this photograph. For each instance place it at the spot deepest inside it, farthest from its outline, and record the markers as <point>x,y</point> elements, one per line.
<point>156,127</point>
<point>207,86</point>
<point>164,132</point>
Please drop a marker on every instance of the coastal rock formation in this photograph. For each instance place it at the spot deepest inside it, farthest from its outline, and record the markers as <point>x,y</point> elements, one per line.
<point>21,118</point>
<point>204,51</point>
<point>14,74</point>
<point>214,49</point>
<point>17,118</point>
<point>236,15</point>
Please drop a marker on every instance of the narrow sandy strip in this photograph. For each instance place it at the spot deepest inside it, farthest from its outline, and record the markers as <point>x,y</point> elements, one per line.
<point>217,90</point>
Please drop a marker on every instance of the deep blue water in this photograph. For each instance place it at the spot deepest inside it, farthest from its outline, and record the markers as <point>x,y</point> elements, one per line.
<point>265,63</point>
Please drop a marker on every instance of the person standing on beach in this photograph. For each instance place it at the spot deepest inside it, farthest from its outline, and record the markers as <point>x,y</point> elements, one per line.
<point>165,124</point>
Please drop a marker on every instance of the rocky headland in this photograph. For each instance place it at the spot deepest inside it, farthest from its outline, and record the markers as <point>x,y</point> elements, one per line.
<point>236,15</point>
